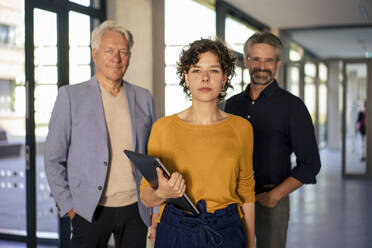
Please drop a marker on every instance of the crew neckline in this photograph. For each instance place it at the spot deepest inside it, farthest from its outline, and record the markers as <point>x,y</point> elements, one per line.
<point>188,124</point>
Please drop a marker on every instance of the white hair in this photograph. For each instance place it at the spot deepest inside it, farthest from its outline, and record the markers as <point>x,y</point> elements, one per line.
<point>110,26</point>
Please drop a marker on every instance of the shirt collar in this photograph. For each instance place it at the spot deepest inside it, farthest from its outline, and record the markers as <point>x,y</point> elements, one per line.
<point>267,92</point>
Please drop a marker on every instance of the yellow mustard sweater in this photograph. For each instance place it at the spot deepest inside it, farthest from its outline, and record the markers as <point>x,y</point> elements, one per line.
<point>215,160</point>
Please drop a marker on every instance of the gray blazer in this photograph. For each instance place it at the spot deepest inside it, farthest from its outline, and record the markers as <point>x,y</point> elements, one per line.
<point>77,151</point>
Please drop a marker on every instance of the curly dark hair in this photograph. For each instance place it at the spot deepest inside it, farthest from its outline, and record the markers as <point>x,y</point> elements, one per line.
<point>190,56</point>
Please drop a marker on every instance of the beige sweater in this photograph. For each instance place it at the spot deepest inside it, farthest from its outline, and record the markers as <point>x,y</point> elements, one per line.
<point>120,188</point>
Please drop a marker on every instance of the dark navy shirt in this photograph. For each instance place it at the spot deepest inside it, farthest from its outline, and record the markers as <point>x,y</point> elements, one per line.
<point>281,125</point>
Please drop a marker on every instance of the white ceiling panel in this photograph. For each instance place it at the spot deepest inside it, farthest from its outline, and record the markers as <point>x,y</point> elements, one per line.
<point>315,24</point>
<point>306,13</point>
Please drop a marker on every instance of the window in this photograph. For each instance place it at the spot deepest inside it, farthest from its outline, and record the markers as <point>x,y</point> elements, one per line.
<point>236,33</point>
<point>88,3</point>
<point>46,72</point>
<point>5,96</point>
<point>79,41</point>
<point>48,38</point>
<point>310,91</point>
<point>356,94</point>
<point>296,52</point>
<point>180,30</point>
<point>293,79</point>
<point>7,34</point>
<point>82,2</point>
<point>323,77</point>
<point>12,119</point>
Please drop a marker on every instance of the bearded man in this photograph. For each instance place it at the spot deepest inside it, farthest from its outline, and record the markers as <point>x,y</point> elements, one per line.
<point>281,125</point>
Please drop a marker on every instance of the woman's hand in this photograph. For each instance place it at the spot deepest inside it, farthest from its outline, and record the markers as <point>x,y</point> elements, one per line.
<point>173,187</point>
<point>252,245</point>
<point>152,234</point>
<point>248,212</point>
<point>71,214</point>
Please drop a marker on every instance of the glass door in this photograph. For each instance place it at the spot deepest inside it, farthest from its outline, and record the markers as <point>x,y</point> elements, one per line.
<point>355,118</point>
<point>12,120</point>
<point>310,89</point>
<point>57,48</point>
<point>293,79</point>
<point>322,105</point>
<point>45,93</point>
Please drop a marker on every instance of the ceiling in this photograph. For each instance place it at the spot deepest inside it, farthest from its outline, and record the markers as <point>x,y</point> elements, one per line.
<point>327,28</point>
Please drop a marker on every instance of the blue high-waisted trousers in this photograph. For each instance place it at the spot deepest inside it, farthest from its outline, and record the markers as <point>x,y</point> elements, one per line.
<point>223,229</point>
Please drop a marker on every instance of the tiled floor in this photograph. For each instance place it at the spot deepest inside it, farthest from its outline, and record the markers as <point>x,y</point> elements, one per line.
<point>335,212</point>
<point>12,244</point>
<point>13,196</point>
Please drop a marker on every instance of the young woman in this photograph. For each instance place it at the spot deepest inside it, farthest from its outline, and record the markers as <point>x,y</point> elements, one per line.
<point>210,153</point>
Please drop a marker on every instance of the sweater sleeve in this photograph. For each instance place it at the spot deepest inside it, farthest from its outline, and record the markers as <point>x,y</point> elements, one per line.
<point>246,182</point>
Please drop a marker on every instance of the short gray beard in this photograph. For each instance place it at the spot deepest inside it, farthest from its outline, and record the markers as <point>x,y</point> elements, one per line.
<point>264,83</point>
<point>268,81</point>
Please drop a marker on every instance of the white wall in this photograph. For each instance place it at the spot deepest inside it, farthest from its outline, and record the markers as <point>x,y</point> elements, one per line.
<point>334,114</point>
<point>136,16</point>
<point>145,19</point>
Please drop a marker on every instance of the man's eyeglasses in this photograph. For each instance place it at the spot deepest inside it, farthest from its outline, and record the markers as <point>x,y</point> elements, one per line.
<point>265,61</point>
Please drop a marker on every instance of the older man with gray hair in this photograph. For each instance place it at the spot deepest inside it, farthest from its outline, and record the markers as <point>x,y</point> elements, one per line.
<point>91,180</point>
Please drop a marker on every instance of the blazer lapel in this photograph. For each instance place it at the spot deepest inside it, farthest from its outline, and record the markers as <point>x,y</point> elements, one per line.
<point>131,100</point>
<point>100,114</point>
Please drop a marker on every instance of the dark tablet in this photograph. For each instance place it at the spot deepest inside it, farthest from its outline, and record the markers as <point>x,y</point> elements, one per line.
<point>147,166</point>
